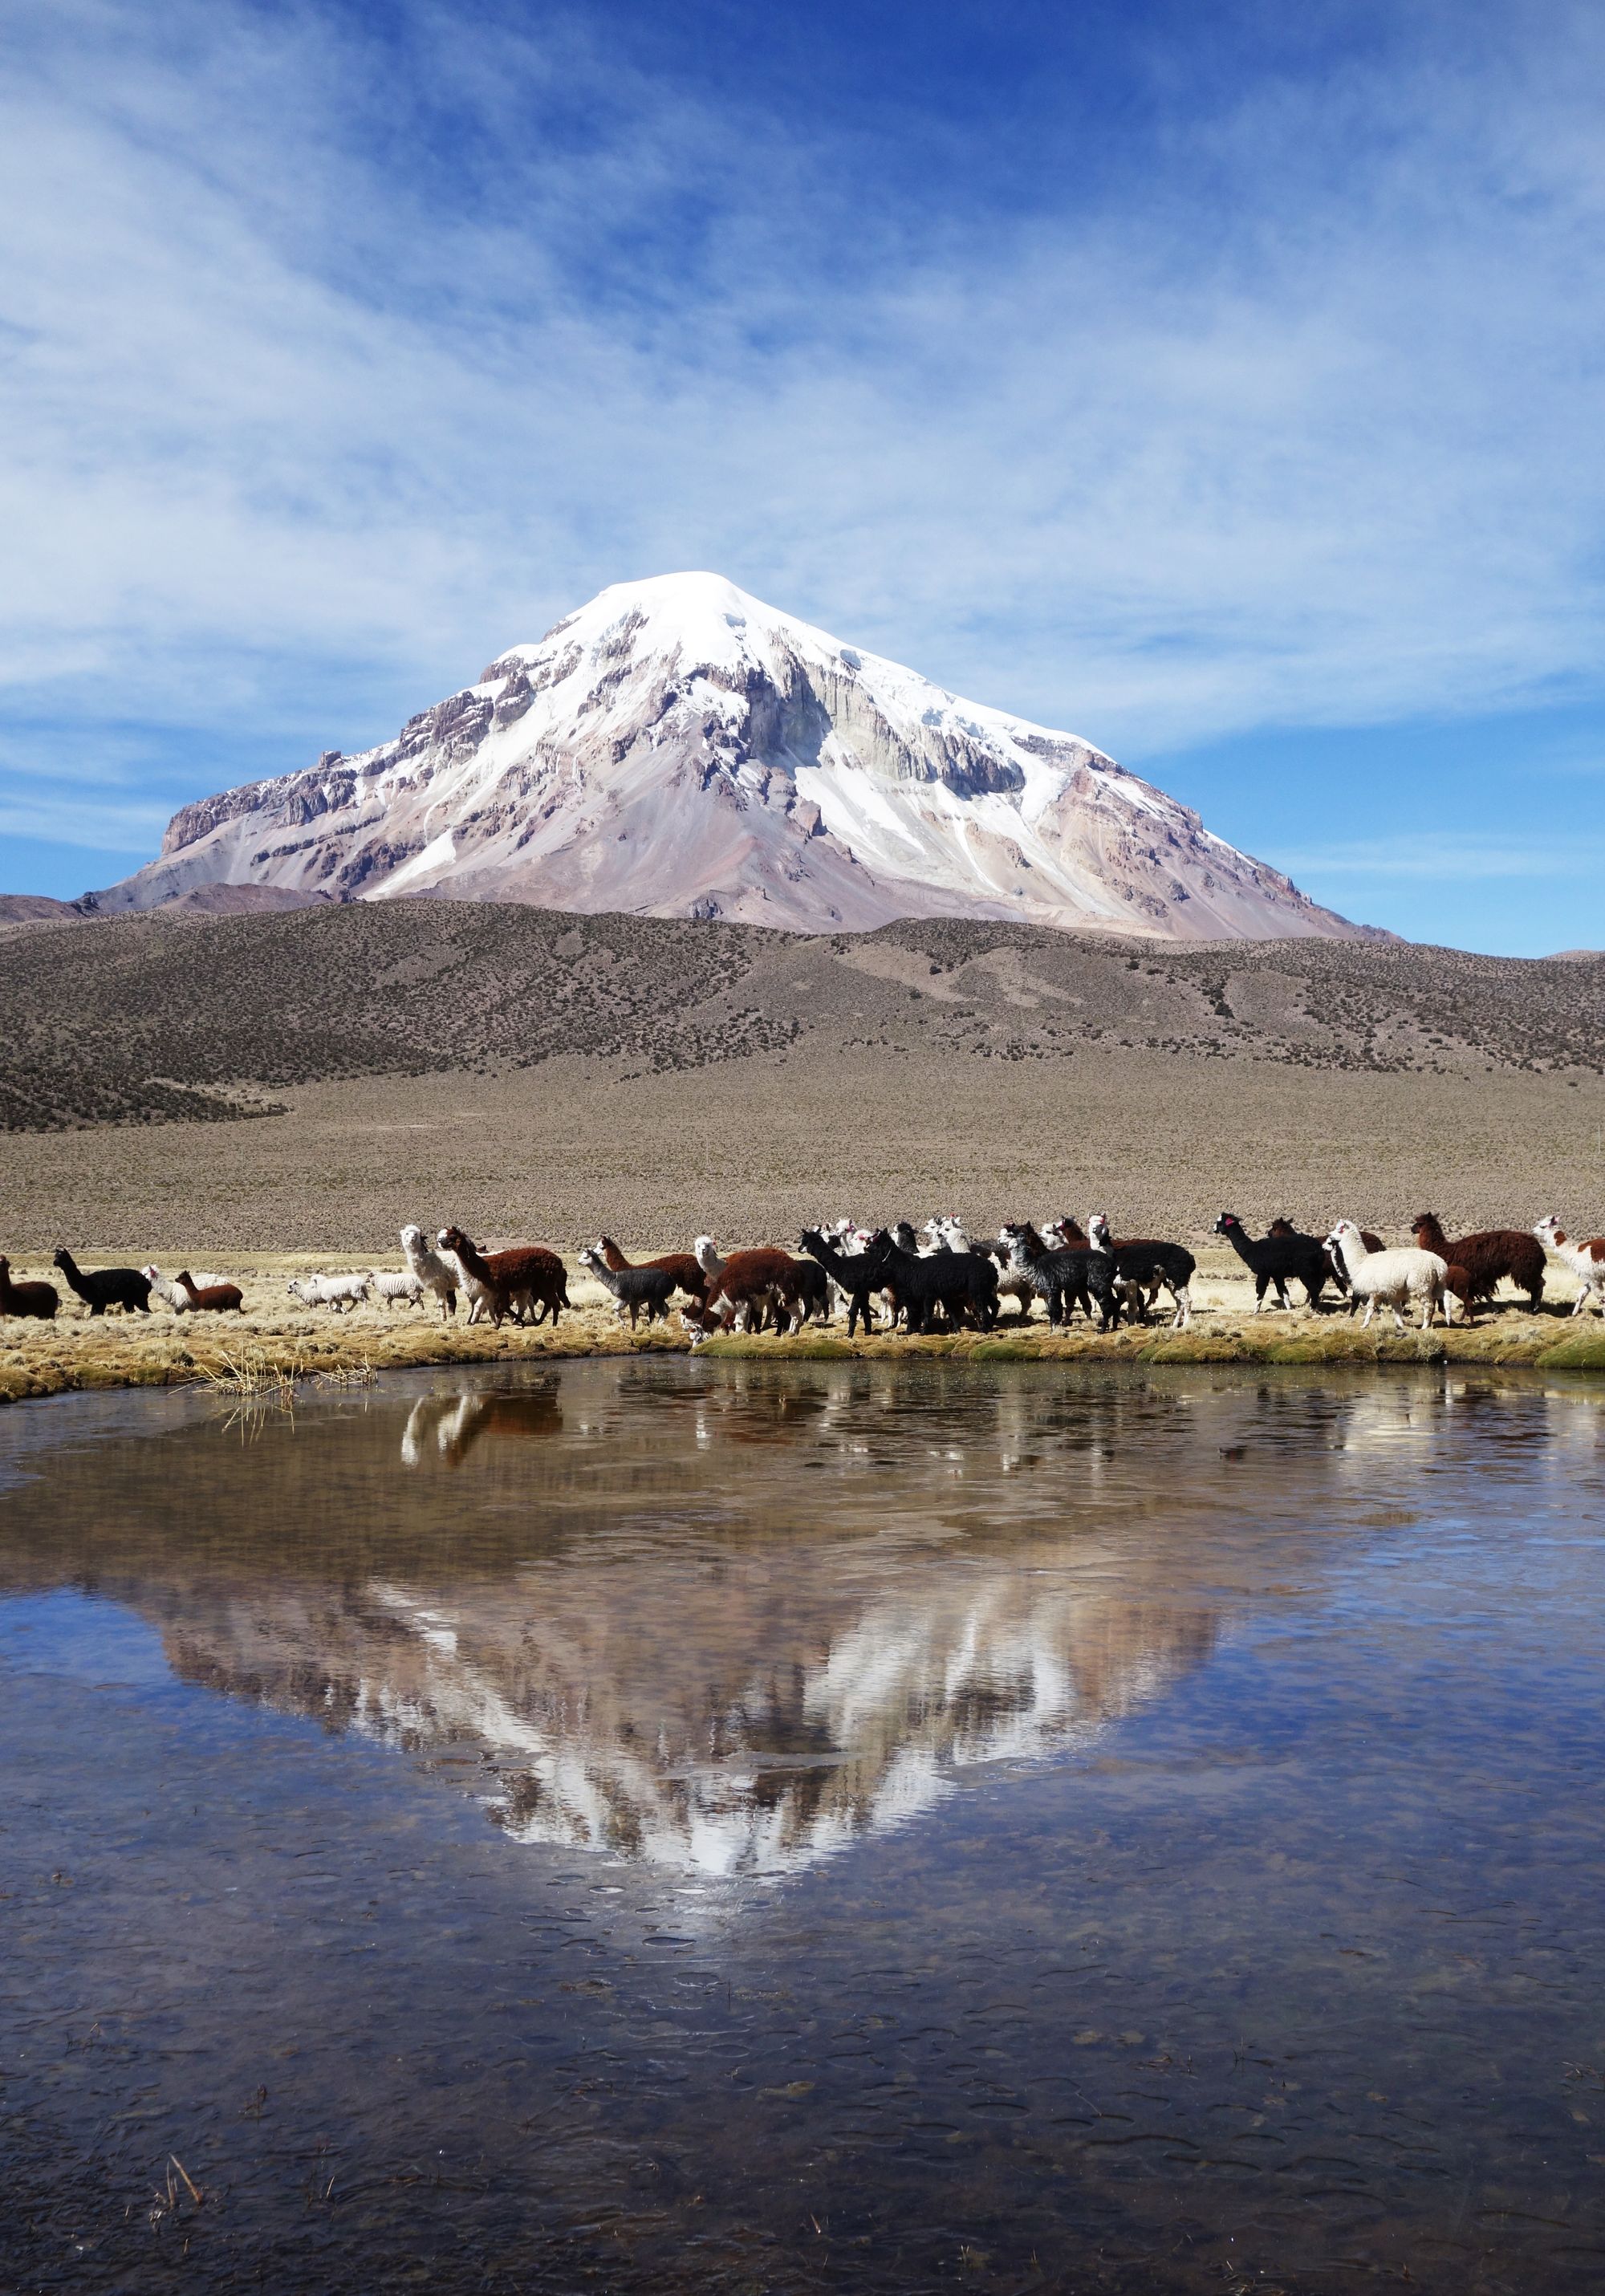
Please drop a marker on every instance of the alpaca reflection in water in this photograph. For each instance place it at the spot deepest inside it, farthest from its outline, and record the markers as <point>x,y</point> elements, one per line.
<point>452,1424</point>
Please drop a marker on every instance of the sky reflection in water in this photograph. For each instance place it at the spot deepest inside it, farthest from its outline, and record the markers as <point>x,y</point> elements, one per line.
<point>1132,1831</point>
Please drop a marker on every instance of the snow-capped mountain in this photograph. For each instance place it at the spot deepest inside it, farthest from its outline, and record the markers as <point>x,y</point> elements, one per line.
<point>677,748</point>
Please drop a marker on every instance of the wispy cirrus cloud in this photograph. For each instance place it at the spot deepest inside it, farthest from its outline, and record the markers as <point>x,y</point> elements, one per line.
<point>1455,859</point>
<point>332,366</point>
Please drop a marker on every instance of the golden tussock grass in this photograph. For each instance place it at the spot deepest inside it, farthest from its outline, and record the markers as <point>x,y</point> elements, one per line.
<point>277,1343</point>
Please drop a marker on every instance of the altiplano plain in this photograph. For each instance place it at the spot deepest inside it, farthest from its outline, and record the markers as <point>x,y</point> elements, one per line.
<point>408,1058</point>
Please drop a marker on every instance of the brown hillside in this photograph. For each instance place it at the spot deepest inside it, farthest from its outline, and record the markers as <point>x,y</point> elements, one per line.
<point>154,1018</point>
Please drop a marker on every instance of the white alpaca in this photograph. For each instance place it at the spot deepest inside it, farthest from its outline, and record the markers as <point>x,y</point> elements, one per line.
<point>714,1317</point>
<point>480,1300</point>
<point>1394,1277</point>
<point>338,1294</point>
<point>397,1287</point>
<point>1585,1261</point>
<point>172,1294</point>
<point>166,1289</point>
<point>945,1233</point>
<point>437,1276</point>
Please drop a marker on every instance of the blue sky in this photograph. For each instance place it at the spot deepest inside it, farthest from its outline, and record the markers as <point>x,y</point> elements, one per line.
<point>1222,383</point>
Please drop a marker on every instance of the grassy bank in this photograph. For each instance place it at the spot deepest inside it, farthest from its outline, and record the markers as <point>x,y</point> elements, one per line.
<point>1544,1343</point>
<point>277,1340</point>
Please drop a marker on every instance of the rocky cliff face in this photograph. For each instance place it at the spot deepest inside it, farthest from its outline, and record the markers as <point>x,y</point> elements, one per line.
<point>677,748</point>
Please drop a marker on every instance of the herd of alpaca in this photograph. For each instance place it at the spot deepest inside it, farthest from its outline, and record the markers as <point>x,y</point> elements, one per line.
<point>936,1279</point>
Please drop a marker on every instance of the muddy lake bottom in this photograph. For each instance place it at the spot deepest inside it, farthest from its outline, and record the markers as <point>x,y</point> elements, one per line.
<point>664,1825</point>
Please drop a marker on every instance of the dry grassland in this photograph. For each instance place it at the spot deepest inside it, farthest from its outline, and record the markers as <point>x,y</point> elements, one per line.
<point>750,1149</point>
<point>274,1346</point>
<point>653,1079</point>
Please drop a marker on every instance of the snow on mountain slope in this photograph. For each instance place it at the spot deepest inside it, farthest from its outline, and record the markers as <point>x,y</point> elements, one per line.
<point>676,748</point>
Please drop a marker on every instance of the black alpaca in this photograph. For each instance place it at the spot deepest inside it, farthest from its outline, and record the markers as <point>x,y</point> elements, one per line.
<point>962,1283</point>
<point>1078,1277</point>
<point>1273,1259</point>
<point>106,1287</point>
<point>1147,1261</point>
<point>850,1271</point>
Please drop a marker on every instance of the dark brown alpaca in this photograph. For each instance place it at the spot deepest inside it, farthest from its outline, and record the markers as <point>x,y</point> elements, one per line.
<point>1491,1254</point>
<point>40,1300</point>
<point>526,1276</point>
<point>763,1282</point>
<point>1457,1285</point>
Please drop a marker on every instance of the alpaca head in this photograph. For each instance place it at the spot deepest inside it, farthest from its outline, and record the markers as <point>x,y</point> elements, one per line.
<point>1228,1224</point>
<point>707,1255</point>
<point>1550,1231</point>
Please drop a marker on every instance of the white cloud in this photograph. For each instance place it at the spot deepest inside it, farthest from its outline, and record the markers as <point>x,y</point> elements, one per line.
<point>1299,431</point>
<point>93,824</point>
<point>1452,859</point>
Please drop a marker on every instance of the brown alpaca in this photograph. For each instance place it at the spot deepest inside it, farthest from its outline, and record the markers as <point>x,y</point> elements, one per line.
<point>40,1300</point>
<point>526,1276</point>
<point>223,1298</point>
<point>681,1267</point>
<point>756,1284</point>
<point>1457,1290</point>
<point>1486,1256</point>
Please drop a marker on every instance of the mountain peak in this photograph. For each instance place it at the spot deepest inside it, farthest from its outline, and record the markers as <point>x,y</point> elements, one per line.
<point>676,747</point>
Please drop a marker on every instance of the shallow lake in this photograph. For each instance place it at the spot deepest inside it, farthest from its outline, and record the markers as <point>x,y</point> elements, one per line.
<point>670,1825</point>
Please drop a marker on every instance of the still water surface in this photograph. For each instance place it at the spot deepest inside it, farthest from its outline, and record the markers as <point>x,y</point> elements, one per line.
<point>657,1826</point>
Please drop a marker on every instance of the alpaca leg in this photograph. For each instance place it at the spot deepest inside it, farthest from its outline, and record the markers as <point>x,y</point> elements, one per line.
<point>1365,1318</point>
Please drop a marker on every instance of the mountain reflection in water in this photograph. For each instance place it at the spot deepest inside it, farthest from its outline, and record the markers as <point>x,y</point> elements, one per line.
<point>722,1625</point>
<point>1266,1949</point>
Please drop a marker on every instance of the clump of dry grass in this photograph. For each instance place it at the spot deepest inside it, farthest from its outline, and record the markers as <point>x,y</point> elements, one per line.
<point>252,1372</point>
